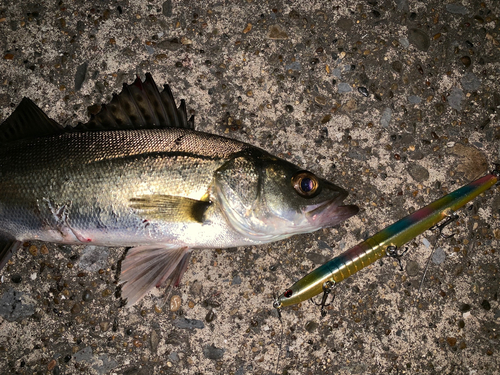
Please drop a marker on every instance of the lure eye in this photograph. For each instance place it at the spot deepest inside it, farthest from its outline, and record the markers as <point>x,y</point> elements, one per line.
<point>288,293</point>
<point>305,183</point>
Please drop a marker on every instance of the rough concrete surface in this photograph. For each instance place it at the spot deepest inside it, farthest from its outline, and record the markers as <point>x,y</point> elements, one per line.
<point>397,101</point>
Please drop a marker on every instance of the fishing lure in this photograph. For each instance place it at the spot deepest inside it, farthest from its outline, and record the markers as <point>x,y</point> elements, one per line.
<point>384,243</point>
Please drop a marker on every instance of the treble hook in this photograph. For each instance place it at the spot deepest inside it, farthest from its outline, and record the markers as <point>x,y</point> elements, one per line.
<point>447,221</point>
<point>392,251</point>
<point>327,289</point>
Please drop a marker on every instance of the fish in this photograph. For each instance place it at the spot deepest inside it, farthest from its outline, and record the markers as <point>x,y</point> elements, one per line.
<point>138,175</point>
<point>383,243</point>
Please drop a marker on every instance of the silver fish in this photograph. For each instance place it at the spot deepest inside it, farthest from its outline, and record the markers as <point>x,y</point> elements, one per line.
<point>139,175</point>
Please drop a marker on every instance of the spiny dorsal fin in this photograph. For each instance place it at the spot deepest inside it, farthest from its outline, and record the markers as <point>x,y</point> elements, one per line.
<point>140,106</point>
<point>28,121</point>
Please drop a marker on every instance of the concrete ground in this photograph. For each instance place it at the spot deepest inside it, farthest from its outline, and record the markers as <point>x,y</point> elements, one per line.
<point>397,101</point>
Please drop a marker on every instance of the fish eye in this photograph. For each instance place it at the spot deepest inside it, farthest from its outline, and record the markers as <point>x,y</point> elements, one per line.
<point>288,293</point>
<point>305,183</point>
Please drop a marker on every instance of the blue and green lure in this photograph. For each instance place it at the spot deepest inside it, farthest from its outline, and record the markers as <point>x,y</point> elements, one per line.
<point>384,243</point>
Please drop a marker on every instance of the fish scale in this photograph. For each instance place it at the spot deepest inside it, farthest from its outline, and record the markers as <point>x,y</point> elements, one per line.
<point>138,175</point>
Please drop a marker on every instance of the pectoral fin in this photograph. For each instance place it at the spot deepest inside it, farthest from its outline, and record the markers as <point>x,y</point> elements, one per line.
<point>170,208</point>
<point>146,267</point>
<point>7,249</point>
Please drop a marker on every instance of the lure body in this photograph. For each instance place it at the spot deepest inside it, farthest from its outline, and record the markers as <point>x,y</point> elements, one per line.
<point>375,247</point>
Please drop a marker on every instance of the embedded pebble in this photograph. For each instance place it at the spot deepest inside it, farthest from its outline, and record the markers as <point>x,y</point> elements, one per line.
<point>456,9</point>
<point>167,8</point>
<point>76,309</point>
<point>403,5</point>
<point>210,316</point>
<point>413,99</point>
<point>196,288</point>
<point>184,323</point>
<point>93,258</point>
<point>386,117</point>
<point>175,303</point>
<point>33,250</point>
<point>16,279</point>
<point>337,72</point>
<point>418,173</point>
<point>397,66</point>
<point>470,82</point>
<point>83,355</point>
<point>277,33</point>
<point>344,87</point>
<point>404,42</point>
<point>455,98</point>
<point>466,61</point>
<point>363,91</point>
<point>486,305</point>
<point>311,326</point>
<point>81,72</point>
<point>212,352</point>
<point>419,39</point>
<point>412,268</point>
<point>439,256</point>
<point>87,295</point>
<point>155,340</point>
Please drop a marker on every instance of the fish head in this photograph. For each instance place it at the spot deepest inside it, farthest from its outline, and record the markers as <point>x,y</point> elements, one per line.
<point>267,198</point>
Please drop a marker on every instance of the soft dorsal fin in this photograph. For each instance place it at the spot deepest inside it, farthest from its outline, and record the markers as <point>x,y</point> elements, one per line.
<point>28,121</point>
<point>140,106</point>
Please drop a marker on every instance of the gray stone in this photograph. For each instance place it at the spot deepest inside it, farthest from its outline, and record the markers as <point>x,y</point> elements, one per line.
<point>385,120</point>
<point>150,49</point>
<point>456,9</point>
<point>337,72</point>
<point>344,87</point>
<point>184,323</point>
<point>14,306</point>
<point>174,357</point>
<point>211,352</point>
<point>438,256</point>
<point>80,75</point>
<point>94,258</point>
<point>294,66</point>
<point>236,280</point>
<point>167,8</point>
<point>196,288</point>
<point>412,268</point>
<point>418,173</point>
<point>107,365</point>
<point>404,42</point>
<point>403,5</point>
<point>419,39</point>
<point>317,258</point>
<point>470,82</point>
<point>455,99</point>
<point>155,340</point>
<point>83,355</point>
<point>344,24</point>
<point>413,99</point>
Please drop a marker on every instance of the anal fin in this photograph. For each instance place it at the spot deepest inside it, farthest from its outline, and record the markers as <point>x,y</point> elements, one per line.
<point>145,267</point>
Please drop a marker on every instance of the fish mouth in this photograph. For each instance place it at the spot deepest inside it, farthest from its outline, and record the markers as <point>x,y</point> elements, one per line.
<point>329,213</point>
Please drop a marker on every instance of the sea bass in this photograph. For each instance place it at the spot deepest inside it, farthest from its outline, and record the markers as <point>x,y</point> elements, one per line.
<point>138,175</point>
